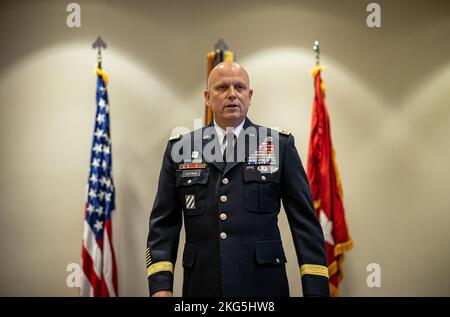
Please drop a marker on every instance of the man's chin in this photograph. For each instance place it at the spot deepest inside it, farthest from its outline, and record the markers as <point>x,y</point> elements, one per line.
<point>234,117</point>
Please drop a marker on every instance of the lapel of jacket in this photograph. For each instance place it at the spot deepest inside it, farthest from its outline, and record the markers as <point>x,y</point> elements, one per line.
<point>209,135</point>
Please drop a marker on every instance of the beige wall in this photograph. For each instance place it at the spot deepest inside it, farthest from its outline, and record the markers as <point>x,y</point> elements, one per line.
<point>387,92</point>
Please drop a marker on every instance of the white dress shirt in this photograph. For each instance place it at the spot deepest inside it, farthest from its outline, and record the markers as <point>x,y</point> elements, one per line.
<point>220,133</point>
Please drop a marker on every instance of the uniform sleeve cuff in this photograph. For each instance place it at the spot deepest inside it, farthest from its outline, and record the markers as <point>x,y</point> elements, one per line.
<point>161,281</point>
<point>315,285</point>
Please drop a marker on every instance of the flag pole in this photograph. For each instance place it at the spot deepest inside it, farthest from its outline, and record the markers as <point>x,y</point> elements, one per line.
<point>316,48</point>
<point>219,54</point>
<point>99,43</point>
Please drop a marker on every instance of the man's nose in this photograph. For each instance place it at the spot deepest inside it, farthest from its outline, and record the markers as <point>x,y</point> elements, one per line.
<point>231,93</point>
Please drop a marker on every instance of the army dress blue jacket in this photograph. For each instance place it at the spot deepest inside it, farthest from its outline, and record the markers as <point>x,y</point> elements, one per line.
<point>230,212</point>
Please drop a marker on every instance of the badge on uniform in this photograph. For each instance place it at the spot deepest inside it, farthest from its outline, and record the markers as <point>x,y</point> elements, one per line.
<point>267,169</point>
<point>191,173</point>
<point>190,201</point>
<point>195,158</point>
<point>191,166</point>
<point>264,157</point>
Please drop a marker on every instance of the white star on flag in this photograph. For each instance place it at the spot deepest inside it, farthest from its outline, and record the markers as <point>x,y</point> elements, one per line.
<point>93,178</point>
<point>103,180</point>
<point>100,118</point>
<point>96,163</point>
<point>98,133</point>
<point>108,197</point>
<point>97,148</point>
<point>99,210</point>
<point>92,193</point>
<point>327,227</point>
<point>98,225</point>
<point>106,150</point>
<point>101,103</point>
<point>104,165</point>
<point>90,208</point>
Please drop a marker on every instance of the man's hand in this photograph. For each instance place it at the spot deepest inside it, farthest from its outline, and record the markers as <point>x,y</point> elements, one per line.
<point>163,294</point>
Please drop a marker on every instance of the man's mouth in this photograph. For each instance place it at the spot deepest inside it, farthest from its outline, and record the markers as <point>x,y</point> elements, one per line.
<point>232,106</point>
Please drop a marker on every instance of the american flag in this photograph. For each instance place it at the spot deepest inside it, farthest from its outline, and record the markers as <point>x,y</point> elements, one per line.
<point>99,266</point>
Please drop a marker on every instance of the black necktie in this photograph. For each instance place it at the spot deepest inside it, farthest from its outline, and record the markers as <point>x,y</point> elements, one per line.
<point>229,141</point>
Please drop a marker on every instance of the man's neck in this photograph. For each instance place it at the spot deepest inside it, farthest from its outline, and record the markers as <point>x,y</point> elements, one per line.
<point>228,126</point>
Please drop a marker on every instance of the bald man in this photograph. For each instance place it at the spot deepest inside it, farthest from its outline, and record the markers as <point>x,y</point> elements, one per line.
<point>227,182</point>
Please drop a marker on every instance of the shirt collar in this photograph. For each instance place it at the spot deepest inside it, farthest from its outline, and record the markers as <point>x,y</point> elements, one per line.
<point>221,132</point>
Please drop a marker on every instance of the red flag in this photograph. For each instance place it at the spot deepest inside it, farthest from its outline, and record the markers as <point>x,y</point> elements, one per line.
<point>326,186</point>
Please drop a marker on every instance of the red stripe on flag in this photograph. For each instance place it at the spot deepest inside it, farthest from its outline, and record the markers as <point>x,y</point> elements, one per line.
<point>104,289</point>
<point>88,269</point>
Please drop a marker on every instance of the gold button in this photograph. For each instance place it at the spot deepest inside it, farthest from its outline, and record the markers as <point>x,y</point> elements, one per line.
<point>223,216</point>
<point>189,181</point>
<point>223,198</point>
<point>225,181</point>
<point>277,260</point>
<point>263,178</point>
<point>223,235</point>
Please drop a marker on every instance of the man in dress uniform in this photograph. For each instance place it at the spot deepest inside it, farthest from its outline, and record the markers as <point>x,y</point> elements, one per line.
<point>226,181</point>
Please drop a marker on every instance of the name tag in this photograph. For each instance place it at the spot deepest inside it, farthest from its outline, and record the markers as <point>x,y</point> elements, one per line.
<point>191,173</point>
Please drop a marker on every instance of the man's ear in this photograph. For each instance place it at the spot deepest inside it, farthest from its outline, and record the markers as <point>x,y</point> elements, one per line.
<point>206,95</point>
<point>250,94</point>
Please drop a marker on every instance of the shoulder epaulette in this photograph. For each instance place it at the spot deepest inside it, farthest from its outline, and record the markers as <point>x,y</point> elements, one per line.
<point>175,137</point>
<point>284,132</point>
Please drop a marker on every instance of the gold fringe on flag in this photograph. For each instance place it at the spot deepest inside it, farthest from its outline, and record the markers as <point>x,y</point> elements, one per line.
<point>102,73</point>
<point>229,56</point>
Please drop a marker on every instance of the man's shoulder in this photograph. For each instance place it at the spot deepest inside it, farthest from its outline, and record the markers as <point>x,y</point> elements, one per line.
<point>174,138</point>
<point>284,132</point>
<point>274,130</point>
